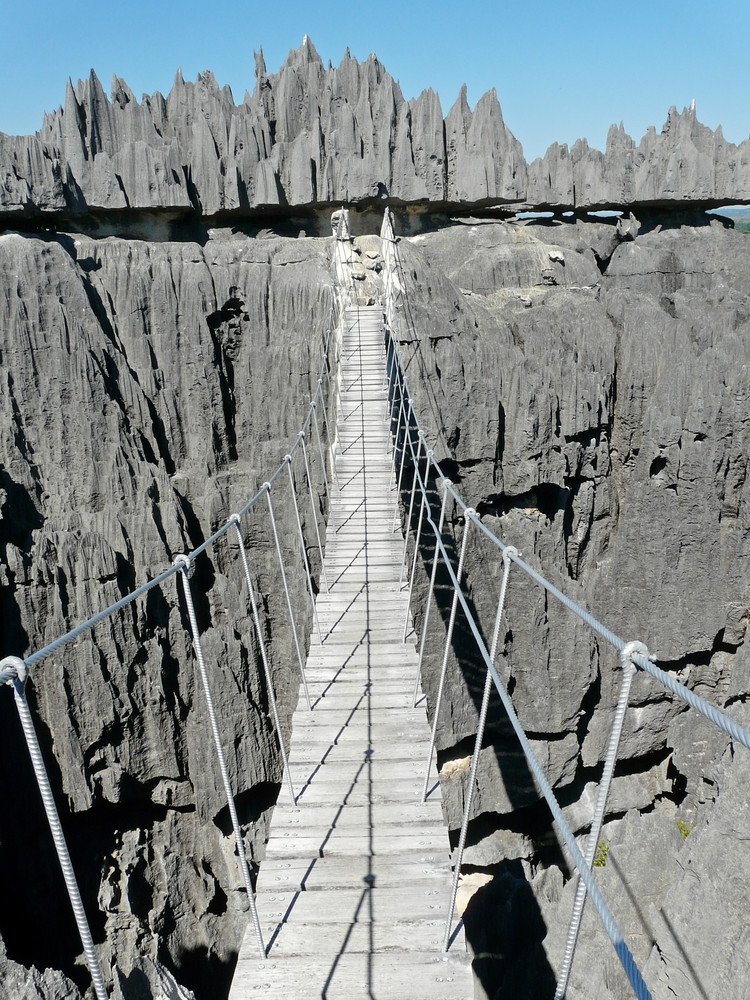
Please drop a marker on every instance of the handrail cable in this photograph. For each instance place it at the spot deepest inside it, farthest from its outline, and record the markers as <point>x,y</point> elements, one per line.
<point>14,671</point>
<point>713,714</point>
<point>614,933</point>
<point>632,654</point>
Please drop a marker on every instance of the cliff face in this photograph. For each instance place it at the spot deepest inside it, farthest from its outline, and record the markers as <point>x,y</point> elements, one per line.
<point>311,134</point>
<point>147,391</point>
<point>594,408</point>
<point>587,391</point>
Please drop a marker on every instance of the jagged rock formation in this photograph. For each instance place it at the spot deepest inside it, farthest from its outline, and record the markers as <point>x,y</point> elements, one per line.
<point>148,390</point>
<point>585,384</point>
<point>311,134</point>
<point>595,411</point>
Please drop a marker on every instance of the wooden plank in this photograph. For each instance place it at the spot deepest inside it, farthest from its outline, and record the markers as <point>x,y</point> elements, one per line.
<point>393,648</point>
<point>297,938</point>
<point>358,793</point>
<point>379,976</point>
<point>345,778</point>
<point>331,816</point>
<point>383,842</point>
<point>335,753</point>
<point>338,872</point>
<point>357,730</point>
<point>365,903</point>
<point>389,678</point>
<point>337,700</point>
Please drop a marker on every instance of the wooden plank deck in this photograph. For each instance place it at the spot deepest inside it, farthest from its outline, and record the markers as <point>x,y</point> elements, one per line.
<point>354,890</point>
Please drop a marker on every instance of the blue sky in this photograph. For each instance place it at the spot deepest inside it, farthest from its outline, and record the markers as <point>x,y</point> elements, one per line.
<point>562,70</point>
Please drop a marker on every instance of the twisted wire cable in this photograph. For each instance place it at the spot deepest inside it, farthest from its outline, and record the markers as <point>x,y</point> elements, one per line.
<point>19,671</point>
<point>264,657</point>
<point>183,564</point>
<point>477,750</point>
<point>628,672</point>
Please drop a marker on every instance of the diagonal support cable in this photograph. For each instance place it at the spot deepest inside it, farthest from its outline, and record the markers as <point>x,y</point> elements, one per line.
<point>320,453</point>
<point>329,439</point>
<point>428,602</point>
<point>448,640</point>
<point>312,510</point>
<point>406,433</point>
<point>411,508</point>
<point>308,574</point>
<point>300,658</point>
<point>235,520</point>
<point>424,503</point>
<point>184,564</point>
<point>477,745</point>
<point>20,672</point>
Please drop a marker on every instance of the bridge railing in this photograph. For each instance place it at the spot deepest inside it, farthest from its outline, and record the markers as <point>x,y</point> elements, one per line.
<point>316,433</point>
<point>410,447</point>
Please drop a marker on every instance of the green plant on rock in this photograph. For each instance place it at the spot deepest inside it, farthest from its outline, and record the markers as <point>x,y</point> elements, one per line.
<point>685,828</point>
<point>602,850</point>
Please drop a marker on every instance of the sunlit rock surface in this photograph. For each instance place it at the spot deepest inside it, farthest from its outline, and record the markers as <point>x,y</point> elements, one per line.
<point>311,134</point>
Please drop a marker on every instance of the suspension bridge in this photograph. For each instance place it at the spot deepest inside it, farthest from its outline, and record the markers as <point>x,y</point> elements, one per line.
<point>357,892</point>
<point>356,875</point>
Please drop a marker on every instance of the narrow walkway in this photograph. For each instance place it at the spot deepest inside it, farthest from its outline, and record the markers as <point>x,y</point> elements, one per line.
<point>354,890</point>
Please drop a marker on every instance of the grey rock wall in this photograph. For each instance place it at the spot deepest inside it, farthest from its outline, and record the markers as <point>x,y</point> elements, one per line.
<point>314,134</point>
<point>147,391</point>
<point>593,407</point>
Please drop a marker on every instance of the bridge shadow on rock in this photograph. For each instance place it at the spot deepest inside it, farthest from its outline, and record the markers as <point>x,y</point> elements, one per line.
<point>509,960</point>
<point>204,972</point>
<point>507,963</point>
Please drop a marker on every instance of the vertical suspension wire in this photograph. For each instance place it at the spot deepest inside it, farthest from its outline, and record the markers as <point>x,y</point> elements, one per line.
<point>235,520</point>
<point>507,553</point>
<point>329,439</point>
<point>448,638</point>
<point>628,672</point>
<point>288,460</point>
<point>184,563</point>
<point>312,510</point>
<point>397,387</point>
<point>328,380</point>
<point>327,375</point>
<point>18,683</point>
<point>322,457</point>
<point>423,503</point>
<point>300,658</point>
<point>406,434</point>
<point>392,438</point>
<point>445,484</point>
<point>387,378</point>
<point>415,477</point>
